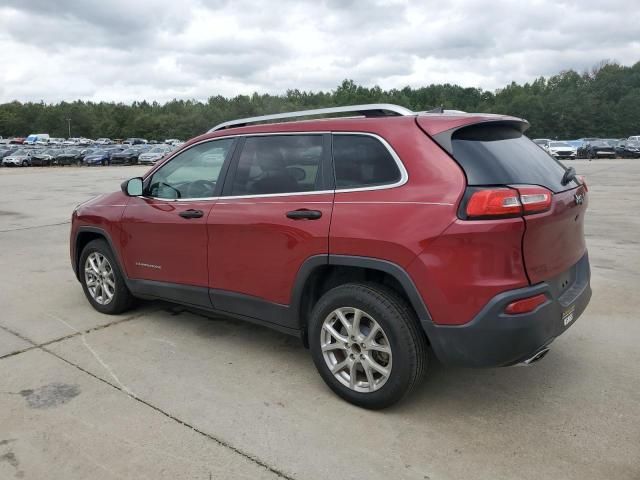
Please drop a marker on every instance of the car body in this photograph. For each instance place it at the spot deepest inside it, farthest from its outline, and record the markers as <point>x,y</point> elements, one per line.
<point>37,138</point>
<point>628,148</point>
<point>44,158</point>
<point>69,156</point>
<point>7,151</point>
<point>97,157</point>
<point>599,149</point>
<point>174,142</point>
<point>542,142</point>
<point>581,152</point>
<point>634,138</point>
<point>561,150</point>
<point>103,141</point>
<point>153,155</point>
<point>369,238</point>
<point>128,156</point>
<point>19,158</point>
<point>135,141</point>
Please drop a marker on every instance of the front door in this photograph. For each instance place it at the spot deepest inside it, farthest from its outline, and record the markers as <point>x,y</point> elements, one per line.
<point>274,214</point>
<point>164,232</point>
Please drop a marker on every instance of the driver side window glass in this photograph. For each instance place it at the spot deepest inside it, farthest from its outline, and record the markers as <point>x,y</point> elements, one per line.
<point>192,173</point>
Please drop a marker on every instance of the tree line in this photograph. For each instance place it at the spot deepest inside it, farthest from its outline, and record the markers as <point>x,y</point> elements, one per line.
<point>602,102</point>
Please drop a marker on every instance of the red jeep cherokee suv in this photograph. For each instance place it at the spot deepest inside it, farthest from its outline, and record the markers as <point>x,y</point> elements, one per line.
<point>378,239</point>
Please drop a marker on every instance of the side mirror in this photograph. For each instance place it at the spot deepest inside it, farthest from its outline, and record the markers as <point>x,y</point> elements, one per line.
<point>132,187</point>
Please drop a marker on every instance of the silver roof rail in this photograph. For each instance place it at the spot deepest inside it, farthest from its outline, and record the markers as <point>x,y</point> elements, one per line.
<point>369,110</point>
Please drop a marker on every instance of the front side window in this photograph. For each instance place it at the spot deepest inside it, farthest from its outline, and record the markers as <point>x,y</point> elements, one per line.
<point>192,173</point>
<point>363,161</point>
<point>278,164</point>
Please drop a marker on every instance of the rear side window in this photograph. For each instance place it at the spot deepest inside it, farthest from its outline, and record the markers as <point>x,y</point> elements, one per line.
<point>362,161</point>
<point>501,155</point>
<point>279,164</point>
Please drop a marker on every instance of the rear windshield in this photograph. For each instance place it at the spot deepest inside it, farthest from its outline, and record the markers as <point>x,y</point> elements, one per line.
<point>502,155</point>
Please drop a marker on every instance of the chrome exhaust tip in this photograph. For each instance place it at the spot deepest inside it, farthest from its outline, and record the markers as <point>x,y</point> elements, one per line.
<point>539,355</point>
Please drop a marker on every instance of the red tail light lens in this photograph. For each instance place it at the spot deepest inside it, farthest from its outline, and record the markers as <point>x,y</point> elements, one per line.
<point>535,199</point>
<point>525,305</point>
<point>508,202</point>
<point>494,202</point>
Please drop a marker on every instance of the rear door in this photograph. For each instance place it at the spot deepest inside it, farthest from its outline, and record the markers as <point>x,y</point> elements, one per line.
<point>498,153</point>
<point>274,214</point>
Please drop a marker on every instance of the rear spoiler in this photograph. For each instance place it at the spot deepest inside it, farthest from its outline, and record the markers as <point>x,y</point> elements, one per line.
<point>481,128</point>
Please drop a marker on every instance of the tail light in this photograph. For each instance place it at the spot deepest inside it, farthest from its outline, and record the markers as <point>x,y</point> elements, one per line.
<point>504,202</point>
<point>525,305</point>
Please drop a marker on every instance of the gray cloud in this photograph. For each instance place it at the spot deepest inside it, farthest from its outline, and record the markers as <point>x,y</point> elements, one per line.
<point>125,50</point>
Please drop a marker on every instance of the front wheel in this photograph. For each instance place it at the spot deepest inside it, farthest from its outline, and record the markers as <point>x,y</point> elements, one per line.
<point>367,345</point>
<point>25,163</point>
<point>101,279</point>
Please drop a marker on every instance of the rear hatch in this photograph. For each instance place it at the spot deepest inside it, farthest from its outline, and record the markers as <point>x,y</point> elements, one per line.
<point>496,156</point>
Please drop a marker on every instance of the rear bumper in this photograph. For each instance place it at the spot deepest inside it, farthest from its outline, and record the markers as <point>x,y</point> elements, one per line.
<point>494,339</point>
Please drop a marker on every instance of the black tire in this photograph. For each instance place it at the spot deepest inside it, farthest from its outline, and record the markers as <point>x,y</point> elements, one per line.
<point>25,163</point>
<point>406,339</point>
<point>122,299</point>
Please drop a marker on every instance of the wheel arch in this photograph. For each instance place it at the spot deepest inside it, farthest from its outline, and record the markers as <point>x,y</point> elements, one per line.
<point>86,234</point>
<point>320,273</point>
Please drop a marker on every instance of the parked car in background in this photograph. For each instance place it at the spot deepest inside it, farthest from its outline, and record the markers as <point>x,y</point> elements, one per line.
<point>103,141</point>
<point>37,137</point>
<point>635,138</point>
<point>582,149</point>
<point>135,141</point>
<point>69,156</point>
<point>599,149</point>
<point>43,158</point>
<point>17,141</point>
<point>153,155</point>
<point>56,141</point>
<point>5,152</point>
<point>542,142</point>
<point>561,150</point>
<point>128,156</point>
<point>98,157</point>
<point>628,148</point>
<point>19,158</point>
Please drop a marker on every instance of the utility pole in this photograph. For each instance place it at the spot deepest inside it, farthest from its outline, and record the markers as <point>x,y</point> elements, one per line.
<point>69,123</point>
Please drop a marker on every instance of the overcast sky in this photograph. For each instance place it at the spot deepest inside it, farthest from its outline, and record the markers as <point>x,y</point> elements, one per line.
<point>125,50</point>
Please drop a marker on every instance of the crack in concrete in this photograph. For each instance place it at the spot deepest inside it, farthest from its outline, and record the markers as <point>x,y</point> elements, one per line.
<point>35,345</point>
<point>222,443</point>
<point>35,226</point>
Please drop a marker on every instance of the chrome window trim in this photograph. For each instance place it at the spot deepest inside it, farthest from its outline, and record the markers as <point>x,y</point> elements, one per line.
<point>404,175</point>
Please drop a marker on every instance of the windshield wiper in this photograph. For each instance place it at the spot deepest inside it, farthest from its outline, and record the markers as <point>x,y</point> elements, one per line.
<point>569,174</point>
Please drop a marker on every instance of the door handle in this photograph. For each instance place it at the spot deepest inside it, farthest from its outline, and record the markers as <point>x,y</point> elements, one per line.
<point>304,214</point>
<point>192,213</point>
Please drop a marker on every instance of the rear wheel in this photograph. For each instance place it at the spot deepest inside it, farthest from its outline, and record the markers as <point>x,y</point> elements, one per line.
<point>25,163</point>
<point>101,279</point>
<point>366,344</point>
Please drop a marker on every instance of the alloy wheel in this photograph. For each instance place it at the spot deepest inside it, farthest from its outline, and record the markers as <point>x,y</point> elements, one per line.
<point>99,278</point>
<point>356,349</point>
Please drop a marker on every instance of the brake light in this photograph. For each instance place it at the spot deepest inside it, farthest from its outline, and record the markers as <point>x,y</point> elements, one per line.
<point>494,202</point>
<point>508,202</point>
<point>525,305</point>
<point>534,199</point>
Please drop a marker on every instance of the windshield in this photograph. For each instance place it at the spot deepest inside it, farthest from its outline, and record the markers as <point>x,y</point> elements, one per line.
<point>559,144</point>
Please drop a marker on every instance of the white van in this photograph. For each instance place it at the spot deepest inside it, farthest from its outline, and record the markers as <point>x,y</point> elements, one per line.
<point>39,138</point>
